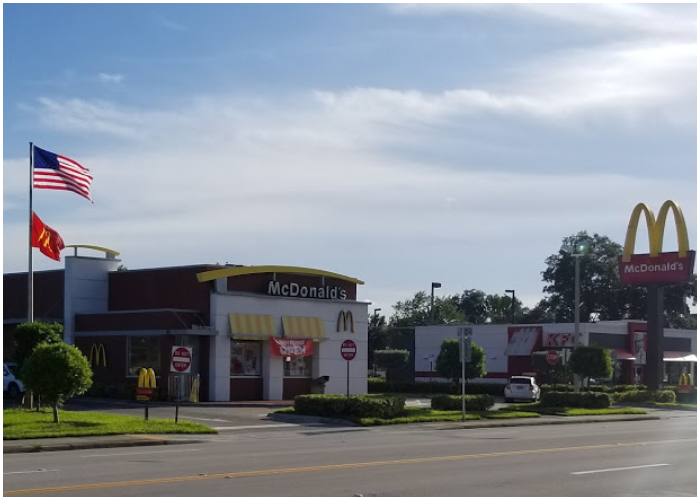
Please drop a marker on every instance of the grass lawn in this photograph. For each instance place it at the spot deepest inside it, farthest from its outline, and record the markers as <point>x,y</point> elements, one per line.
<point>675,406</point>
<point>20,423</point>
<point>417,415</point>
<point>572,412</point>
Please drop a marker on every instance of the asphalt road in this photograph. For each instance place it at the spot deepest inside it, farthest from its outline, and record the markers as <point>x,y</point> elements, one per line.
<point>640,458</point>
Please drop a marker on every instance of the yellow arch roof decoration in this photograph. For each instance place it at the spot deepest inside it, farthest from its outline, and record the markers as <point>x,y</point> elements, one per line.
<point>243,270</point>
<point>93,247</point>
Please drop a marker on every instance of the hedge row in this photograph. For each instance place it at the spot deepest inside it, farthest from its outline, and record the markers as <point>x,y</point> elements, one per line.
<point>378,385</point>
<point>556,399</point>
<point>645,397</point>
<point>592,388</point>
<point>337,406</point>
<point>446,402</point>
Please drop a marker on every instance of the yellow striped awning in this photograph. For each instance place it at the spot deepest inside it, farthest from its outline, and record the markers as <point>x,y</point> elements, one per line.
<point>299,327</point>
<point>252,326</point>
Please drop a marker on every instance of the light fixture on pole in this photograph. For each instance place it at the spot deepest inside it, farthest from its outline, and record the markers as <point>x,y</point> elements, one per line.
<point>433,286</point>
<point>512,306</point>
<point>376,310</point>
<point>581,247</point>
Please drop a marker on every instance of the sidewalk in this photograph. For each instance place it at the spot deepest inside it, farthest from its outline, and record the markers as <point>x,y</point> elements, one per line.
<point>90,442</point>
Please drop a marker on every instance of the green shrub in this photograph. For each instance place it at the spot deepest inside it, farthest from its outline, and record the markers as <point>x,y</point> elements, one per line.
<point>592,388</point>
<point>556,399</point>
<point>665,396</point>
<point>337,406</point>
<point>378,385</point>
<point>446,402</point>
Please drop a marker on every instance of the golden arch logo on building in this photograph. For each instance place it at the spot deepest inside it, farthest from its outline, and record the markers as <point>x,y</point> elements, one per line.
<point>95,351</point>
<point>345,319</point>
<point>656,266</point>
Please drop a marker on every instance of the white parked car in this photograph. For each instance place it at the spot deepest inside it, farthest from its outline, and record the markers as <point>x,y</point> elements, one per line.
<point>522,387</point>
<point>10,385</point>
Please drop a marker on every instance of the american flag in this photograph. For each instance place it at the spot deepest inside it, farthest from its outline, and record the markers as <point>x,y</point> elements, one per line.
<point>52,171</point>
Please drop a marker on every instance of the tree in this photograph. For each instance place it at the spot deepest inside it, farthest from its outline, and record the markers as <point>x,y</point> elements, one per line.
<point>30,335</point>
<point>449,366</point>
<point>376,337</point>
<point>591,362</point>
<point>416,311</point>
<point>603,297</point>
<point>391,360</point>
<point>57,371</point>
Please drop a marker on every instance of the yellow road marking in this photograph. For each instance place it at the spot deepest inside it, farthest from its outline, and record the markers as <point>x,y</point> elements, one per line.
<point>315,468</point>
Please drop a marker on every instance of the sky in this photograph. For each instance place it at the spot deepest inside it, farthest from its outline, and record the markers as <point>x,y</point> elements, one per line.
<point>400,144</point>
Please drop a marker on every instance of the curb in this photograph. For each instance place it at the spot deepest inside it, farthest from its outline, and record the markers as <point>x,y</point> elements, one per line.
<point>35,448</point>
<point>480,424</point>
<point>475,424</point>
<point>309,419</point>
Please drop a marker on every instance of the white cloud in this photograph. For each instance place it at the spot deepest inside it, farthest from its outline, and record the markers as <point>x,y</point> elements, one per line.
<point>676,21</point>
<point>107,78</point>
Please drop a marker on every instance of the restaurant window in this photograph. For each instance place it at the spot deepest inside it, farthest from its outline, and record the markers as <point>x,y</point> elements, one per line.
<point>298,367</point>
<point>143,352</point>
<point>246,358</point>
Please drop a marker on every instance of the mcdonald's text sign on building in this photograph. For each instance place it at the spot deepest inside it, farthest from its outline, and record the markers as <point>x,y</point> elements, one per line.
<point>656,267</point>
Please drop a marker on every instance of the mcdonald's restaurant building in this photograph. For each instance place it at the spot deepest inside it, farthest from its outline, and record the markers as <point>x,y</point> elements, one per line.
<point>254,332</point>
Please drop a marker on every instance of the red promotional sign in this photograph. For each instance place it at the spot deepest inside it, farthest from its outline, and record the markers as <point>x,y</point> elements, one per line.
<point>348,350</point>
<point>293,348</point>
<point>181,360</point>
<point>552,357</point>
<point>667,267</point>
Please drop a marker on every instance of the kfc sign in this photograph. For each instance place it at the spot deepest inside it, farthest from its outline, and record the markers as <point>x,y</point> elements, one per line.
<point>559,340</point>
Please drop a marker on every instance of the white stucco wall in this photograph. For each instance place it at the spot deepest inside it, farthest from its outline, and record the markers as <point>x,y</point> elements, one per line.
<point>494,340</point>
<point>327,358</point>
<point>86,289</point>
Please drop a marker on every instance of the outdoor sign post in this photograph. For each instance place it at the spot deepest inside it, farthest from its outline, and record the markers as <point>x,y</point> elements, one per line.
<point>180,362</point>
<point>348,349</point>
<point>146,388</point>
<point>465,356</point>
<point>655,270</point>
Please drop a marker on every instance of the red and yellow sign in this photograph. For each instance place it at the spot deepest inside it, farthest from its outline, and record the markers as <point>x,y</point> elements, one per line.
<point>292,348</point>
<point>656,267</point>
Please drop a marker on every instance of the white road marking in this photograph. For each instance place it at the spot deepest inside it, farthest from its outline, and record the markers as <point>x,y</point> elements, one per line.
<point>209,419</point>
<point>619,468</point>
<point>267,426</point>
<point>135,453</point>
<point>31,471</point>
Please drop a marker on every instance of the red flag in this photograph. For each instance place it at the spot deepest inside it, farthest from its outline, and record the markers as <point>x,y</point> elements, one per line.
<point>47,240</point>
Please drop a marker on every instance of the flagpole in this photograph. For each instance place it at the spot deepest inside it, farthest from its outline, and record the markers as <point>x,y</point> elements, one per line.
<point>30,274</point>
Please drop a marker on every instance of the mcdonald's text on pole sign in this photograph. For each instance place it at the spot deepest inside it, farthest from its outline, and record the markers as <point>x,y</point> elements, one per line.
<point>667,267</point>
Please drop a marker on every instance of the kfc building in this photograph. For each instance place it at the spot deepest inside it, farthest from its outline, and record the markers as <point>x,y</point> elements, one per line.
<point>254,332</point>
<point>508,348</point>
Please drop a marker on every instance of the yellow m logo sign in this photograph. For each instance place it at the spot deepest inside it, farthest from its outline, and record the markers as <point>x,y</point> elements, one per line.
<point>655,227</point>
<point>95,351</point>
<point>345,318</point>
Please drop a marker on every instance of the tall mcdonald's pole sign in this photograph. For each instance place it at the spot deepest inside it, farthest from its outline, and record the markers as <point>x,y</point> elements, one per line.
<point>654,270</point>
<point>656,267</point>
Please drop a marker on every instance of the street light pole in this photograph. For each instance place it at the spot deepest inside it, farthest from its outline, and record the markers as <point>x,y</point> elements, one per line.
<point>577,301</point>
<point>512,306</point>
<point>580,248</point>
<point>433,286</point>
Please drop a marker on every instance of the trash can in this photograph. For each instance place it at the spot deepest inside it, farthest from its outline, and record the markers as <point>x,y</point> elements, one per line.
<point>318,385</point>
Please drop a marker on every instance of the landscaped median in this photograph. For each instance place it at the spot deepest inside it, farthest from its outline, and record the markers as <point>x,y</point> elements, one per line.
<point>20,423</point>
<point>377,410</point>
<point>391,409</point>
